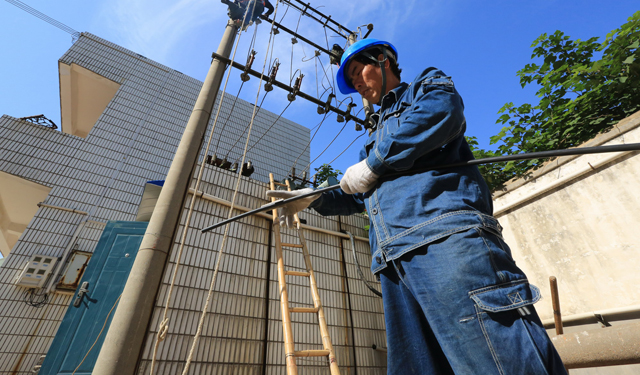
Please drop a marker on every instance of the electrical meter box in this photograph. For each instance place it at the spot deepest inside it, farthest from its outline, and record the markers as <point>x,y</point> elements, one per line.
<point>37,271</point>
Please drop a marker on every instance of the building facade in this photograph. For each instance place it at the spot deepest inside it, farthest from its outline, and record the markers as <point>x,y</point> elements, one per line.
<point>122,119</point>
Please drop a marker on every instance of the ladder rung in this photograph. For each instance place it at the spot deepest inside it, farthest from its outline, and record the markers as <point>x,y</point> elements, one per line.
<point>311,353</point>
<point>279,184</point>
<point>291,245</point>
<point>297,273</point>
<point>303,309</point>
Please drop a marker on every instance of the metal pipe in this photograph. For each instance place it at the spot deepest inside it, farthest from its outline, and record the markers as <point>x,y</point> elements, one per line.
<point>346,289</point>
<point>555,301</point>
<point>303,11</point>
<point>285,87</point>
<point>622,313</point>
<point>41,204</point>
<point>267,294</point>
<point>261,213</point>
<point>524,156</point>
<point>124,340</point>
<point>619,345</point>
<point>291,32</point>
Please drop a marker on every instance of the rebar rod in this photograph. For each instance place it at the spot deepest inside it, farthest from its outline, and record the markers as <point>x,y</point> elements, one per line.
<point>497,159</point>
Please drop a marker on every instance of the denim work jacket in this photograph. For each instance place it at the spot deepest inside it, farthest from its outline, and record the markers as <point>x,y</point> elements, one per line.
<point>420,125</point>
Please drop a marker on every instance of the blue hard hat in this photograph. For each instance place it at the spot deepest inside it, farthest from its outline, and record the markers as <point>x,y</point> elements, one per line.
<point>344,85</point>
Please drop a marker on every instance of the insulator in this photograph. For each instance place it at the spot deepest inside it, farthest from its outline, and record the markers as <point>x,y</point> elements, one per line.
<point>294,40</point>
<point>244,77</point>
<point>247,169</point>
<point>268,87</point>
<point>275,31</point>
<point>320,110</point>
<point>291,96</point>
<point>358,127</point>
<point>215,161</point>
<point>234,167</point>
<point>340,119</point>
<point>336,54</point>
<point>208,159</point>
<point>224,164</point>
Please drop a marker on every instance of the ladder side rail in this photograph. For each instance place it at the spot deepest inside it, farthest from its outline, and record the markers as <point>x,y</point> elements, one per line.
<point>322,322</point>
<point>289,345</point>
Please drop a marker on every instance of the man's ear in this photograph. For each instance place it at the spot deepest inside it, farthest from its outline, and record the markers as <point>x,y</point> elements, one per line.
<point>386,63</point>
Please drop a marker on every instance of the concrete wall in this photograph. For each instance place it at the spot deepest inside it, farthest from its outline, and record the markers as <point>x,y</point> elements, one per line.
<point>577,218</point>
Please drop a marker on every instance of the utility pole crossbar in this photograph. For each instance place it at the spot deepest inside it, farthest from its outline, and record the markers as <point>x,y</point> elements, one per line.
<point>328,18</point>
<point>290,89</point>
<point>291,32</point>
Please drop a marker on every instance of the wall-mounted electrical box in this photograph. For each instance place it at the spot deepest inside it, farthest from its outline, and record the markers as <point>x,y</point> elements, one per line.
<point>74,270</point>
<point>37,271</point>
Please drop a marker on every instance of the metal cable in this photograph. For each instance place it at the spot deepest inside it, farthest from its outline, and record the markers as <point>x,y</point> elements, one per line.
<point>355,259</point>
<point>44,17</point>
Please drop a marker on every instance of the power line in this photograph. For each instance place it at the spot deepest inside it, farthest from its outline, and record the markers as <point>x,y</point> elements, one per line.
<point>74,34</point>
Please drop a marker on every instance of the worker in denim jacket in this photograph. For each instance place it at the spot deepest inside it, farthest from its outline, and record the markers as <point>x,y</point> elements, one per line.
<point>454,300</point>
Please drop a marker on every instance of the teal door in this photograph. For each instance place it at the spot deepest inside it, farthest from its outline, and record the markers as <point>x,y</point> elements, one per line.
<point>88,312</point>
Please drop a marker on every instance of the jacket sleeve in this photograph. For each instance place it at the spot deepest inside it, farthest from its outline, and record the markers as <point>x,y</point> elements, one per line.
<point>433,119</point>
<point>337,202</point>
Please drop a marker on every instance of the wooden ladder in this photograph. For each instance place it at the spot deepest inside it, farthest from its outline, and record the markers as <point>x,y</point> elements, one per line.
<point>289,346</point>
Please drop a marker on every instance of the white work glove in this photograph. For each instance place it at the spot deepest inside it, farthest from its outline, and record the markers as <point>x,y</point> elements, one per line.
<point>358,178</point>
<point>286,213</point>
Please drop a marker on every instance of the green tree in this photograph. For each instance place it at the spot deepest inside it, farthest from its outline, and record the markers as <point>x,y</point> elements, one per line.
<point>585,87</point>
<point>325,171</point>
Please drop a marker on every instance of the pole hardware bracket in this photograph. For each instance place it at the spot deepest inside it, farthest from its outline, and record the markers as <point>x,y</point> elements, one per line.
<point>281,85</point>
<point>348,115</point>
<point>324,109</point>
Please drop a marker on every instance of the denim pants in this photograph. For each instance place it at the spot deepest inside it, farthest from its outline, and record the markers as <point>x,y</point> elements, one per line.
<point>461,306</point>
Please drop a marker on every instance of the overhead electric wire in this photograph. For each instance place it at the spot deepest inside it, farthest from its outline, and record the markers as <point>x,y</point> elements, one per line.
<point>325,149</point>
<point>44,17</point>
<point>243,131</point>
<point>267,131</point>
<point>311,140</point>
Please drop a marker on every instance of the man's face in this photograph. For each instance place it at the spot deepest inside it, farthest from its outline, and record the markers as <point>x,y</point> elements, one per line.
<point>366,79</point>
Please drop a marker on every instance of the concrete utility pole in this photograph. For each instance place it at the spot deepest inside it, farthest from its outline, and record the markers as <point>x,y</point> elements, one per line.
<point>124,340</point>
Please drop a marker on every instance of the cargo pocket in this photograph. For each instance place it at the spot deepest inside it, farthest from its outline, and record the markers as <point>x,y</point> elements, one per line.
<point>515,295</point>
<point>511,328</point>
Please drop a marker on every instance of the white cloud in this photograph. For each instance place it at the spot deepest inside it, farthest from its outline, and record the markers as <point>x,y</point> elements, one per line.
<point>153,28</point>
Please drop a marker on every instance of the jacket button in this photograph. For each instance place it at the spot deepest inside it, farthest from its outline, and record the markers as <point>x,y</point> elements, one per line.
<point>378,260</point>
<point>374,211</point>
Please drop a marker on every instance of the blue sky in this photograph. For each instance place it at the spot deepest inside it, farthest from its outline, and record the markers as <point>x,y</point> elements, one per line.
<point>481,44</point>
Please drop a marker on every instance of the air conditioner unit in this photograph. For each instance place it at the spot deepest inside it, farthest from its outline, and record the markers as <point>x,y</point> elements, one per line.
<point>36,271</point>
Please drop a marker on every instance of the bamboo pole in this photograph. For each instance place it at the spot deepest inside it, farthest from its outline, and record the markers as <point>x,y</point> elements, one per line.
<point>289,347</point>
<point>555,300</point>
<point>317,303</point>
